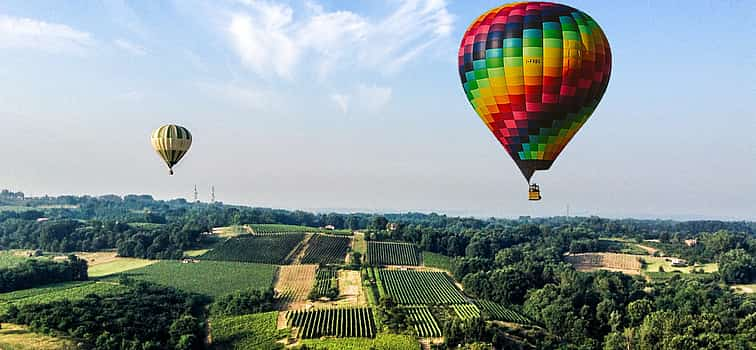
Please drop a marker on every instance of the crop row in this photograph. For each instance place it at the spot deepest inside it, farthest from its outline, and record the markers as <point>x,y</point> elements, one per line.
<point>415,287</point>
<point>342,322</point>
<point>389,253</point>
<point>326,283</point>
<point>322,249</point>
<point>498,312</point>
<point>424,323</point>
<point>258,249</point>
<point>466,311</point>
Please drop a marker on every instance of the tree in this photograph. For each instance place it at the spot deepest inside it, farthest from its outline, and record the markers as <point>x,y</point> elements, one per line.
<point>379,223</point>
<point>391,315</point>
<point>637,310</point>
<point>737,266</point>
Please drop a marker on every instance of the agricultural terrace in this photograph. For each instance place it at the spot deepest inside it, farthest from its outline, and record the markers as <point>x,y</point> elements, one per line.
<point>322,249</point>
<point>281,228</point>
<point>57,292</point>
<point>15,337</point>
<point>630,264</point>
<point>423,322</point>
<point>418,287</point>
<point>390,253</point>
<point>293,282</point>
<point>382,341</point>
<point>326,283</point>
<point>436,260</point>
<point>494,311</point>
<point>255,331</point>
<point>212,278</point>
<point>466,311</point>
<point>273,249</point>
<point>340,322</point>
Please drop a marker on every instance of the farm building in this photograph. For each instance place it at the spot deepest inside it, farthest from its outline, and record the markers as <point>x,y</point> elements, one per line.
<point>691,242</point>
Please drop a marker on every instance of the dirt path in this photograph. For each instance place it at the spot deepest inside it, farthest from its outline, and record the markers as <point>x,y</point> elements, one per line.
<point>300,250</point>
<point>649,250</point>
<point>350,288</point>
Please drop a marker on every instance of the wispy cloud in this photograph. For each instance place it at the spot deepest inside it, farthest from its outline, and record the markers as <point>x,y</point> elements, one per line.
<point>244,96</point>
<point>28,33</point>
<point>341,100</point>
<point>270,39</point>
<point>365,99</point>
<point>130,47</point>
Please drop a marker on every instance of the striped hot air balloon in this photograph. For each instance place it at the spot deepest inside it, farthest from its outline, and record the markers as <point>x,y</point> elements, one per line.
<point>534,72</point>
<point>171,142</point>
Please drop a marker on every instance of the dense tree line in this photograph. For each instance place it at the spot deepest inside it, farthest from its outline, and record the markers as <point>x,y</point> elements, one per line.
<point>244,302</point>
<point>33,273</point>
<point>144,317</point>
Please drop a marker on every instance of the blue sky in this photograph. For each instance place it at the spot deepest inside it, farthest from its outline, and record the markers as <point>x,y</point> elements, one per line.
<point>356,105</point>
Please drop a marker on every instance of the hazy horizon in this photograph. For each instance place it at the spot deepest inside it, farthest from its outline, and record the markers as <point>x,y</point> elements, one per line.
<point>357,105</point>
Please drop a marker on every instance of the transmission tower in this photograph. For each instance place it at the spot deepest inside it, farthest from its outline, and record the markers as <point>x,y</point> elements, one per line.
<point>212,194</point>
<point>196,195</point>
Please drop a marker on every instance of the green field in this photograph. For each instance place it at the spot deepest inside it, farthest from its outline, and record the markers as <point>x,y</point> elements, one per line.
<point>211,278</point>
<point>9,258</point>
<point>15,337</point>
<point>381,342</point>
<point>436,260</point>
<point>256,331</point>
<point>653,264</point>
<point>273,249</point>
<point>117,266</point>
<point>415,287</point>
<point>62,291</point>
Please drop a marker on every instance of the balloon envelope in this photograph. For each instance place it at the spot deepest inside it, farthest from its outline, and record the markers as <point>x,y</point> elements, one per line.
<point>534,72</point>
<point>171,142</point>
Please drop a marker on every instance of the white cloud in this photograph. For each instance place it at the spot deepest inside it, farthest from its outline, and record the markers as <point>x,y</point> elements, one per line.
<point>130,47</point>
<point>28,33</point>
<point>367,99</point>
<point>268,38</point>
<point>342,101</point>
<point>260,38</point>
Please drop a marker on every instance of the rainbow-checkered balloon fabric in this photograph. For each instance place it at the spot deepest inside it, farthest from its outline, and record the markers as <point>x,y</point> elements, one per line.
<point>534,72</point>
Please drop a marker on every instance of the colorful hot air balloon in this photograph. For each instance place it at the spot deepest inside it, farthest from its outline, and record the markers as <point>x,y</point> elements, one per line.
<point>171,142</point>
<point>534,72</point>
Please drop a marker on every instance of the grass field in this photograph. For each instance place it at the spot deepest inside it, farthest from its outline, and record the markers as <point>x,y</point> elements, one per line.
<point>359,244</point>
<point>117,266</point>
<point>653,264</point>
<point>436,260</point>
<point>211,278</point>
<point>256,331</point>
<point>15,337</point>
<point>62,291</point>
<point>382,341</point>
<point>195,252</point>
<point>10,258</point>
<point>274,249</point>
